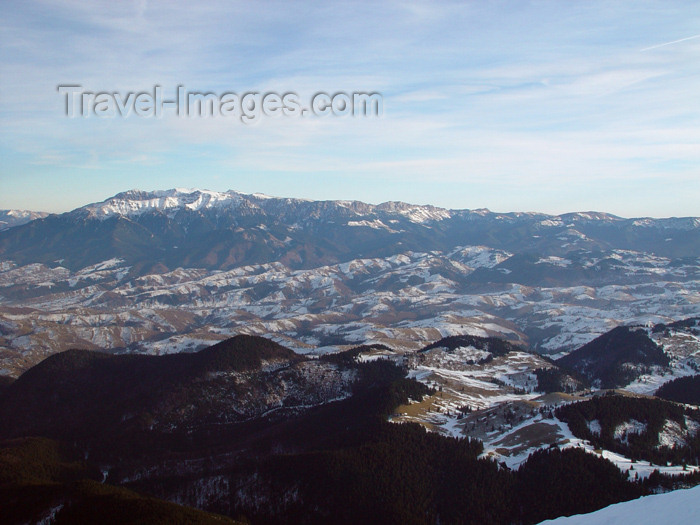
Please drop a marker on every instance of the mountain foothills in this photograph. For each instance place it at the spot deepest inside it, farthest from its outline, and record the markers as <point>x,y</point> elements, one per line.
<point>178,270</point>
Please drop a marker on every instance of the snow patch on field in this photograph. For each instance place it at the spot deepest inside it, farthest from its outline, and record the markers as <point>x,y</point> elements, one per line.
<point>624,430</point>
<point>376,224</point>
<point>554,261</point>
<point>673,435</point>
<point>594,427</point>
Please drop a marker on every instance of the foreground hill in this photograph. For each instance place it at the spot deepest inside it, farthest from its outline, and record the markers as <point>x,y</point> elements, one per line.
<point>112,400</point>
<point>41,483</point>
<point>247,428</point>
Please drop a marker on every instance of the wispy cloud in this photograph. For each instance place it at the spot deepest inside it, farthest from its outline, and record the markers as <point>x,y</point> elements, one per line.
<point>515,93</point>
<point>671,43</point>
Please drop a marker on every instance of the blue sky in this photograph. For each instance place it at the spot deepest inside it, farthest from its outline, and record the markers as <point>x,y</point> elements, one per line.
<point>515,106</point>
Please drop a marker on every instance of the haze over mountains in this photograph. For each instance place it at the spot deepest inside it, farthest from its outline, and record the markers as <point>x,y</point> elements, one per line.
<point>178,269</point>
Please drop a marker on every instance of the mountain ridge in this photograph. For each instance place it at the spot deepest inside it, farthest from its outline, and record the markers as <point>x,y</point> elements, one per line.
<point>94,380</point>
<point>161,225</point>
<point>182,198</point>
<point>199,198</point>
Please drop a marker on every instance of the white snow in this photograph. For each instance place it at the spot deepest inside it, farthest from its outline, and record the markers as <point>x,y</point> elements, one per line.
<point>594,427</point>
<point>134,202</point>
<point>679,506</point>
<point>624,430</point>
<point>673,435</point>
<point>376,224</point>
<point>554,261</point>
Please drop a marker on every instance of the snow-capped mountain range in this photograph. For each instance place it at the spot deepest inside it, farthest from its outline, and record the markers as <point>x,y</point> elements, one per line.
<point>134,203</point>
<point>174,270</point>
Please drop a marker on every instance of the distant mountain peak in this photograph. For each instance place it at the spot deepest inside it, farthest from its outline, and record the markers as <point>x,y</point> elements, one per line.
<point>12,218</point>
<point>590,216</point>
<point>137,202</point>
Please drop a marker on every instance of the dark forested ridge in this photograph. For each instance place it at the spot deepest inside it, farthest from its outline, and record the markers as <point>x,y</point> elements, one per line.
<point>557,379</point>
<point>494,345</point>
<point>615,358</point>
<point>681,390</point>
<point>5,381</point>
<point>80,392</point>
<point>691,324</point>
<point>295,459</point>
<point>578,482</point>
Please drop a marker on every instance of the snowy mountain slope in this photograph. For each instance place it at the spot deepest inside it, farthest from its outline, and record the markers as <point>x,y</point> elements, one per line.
<point>497,398</point>
<point>134,202</point>
<point>680,341</point>
<point>471,380</point>
<point>513,420</point>
<point>11,218</point>
<point>639,358</point>
<point>679,506</point>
